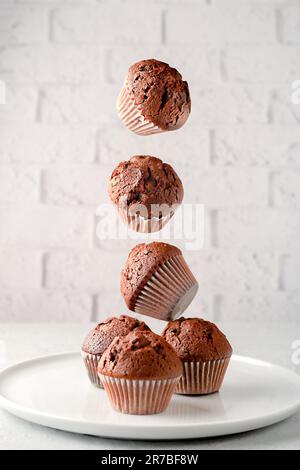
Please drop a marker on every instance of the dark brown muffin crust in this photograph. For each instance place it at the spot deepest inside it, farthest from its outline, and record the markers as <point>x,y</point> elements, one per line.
<point>140,355</point>
<point>160,92</point>
<point>145,180</point>
<point>195,339</point>
<point>100,337</point>
<point>141,264</point>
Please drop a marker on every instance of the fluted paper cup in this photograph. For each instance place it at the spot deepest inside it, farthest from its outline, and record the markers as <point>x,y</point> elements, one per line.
<point>168,292</point>
<point>139,397</point>
<point>138,223</point>
<point>91,362</point>
<point>155,224</point>
<point>201,378</point>
<point>131,115</point>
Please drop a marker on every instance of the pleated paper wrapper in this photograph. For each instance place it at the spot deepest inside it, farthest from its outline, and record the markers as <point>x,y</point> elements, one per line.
<point>131,115</point>
<point>201,378</point>
<point>91,362</point>
<point>168,292</point>
<point>139,397</point>
<point>140,224</point>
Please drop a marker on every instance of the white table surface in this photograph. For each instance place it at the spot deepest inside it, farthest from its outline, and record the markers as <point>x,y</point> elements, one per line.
<point>272,342</point>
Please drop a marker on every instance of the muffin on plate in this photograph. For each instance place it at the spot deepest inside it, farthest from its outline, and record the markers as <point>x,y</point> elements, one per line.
<point>146,192</point>
<point>204,351</point>
<point>139,373</point>
<point>100,337</point>
<point>154,98</point>
<point>157,281</point>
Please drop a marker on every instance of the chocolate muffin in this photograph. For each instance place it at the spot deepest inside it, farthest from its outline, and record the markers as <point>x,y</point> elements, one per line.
<point>156,281</point>
<point>146,192</point>
<point>140,372</point>
<point>204,351</point>
<point>100,337</point>
<point>154,98</point>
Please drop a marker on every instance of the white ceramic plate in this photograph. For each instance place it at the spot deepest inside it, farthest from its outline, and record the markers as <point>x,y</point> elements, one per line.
<point>54,391</point>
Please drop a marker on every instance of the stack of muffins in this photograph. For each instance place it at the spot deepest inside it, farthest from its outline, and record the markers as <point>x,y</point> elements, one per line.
<point>139,369</point>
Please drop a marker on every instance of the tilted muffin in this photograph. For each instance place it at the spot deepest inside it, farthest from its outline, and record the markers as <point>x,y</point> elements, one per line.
<point>204,351</point>
<point>154,98</point>
<point>157,281</point>
<point>146,192</point>
<point>100,337</point>
<point>140,372</point>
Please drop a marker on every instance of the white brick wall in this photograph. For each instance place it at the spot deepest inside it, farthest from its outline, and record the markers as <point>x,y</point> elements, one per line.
<point>291,272</point>
<point>83,104</point>
<point>273,64</point>
<point>75,185</point>
<point>115,143</point>
<point>25,143</point>
<point>44,306</point>
<point>112,23</point>
<point>20,269</point>
<point>83,271</point>
<point>286,189</point>
<point>263,146</point>
<point>28,24</point>
<point>45,226</point>
<point>63,62</point>
<point>258,229</point>
<point>47,63</point>
<point>218,187</point>
<point>21,104</point>
<point>18,184</point>
<point>221,24</point>
<point>229,105</point>
<point>290,23</point>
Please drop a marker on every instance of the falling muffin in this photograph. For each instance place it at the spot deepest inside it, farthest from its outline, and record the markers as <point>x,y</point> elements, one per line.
<point>139,373</point>
<point>146,192</point>
<point>204,351</point>
<point>100,337</point>
<point>154,98</point>
<point>157,281</point>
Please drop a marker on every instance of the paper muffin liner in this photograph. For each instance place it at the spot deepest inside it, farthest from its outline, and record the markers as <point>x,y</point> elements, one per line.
<point>91,362</point>
<point>168,292</point>
<point>139,397</point>
<point>139,224</point>
<point>155,224</point>
<point>200,378</point>
<point>131,115</point>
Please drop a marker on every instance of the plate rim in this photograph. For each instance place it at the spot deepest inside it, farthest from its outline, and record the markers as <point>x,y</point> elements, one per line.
<point>252,423</point>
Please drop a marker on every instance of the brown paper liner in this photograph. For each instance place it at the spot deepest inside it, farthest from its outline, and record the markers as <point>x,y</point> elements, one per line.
<point>200,378</point>
<point>168,292</point>
<point>91,362</point>
<point>139,397</point>
<point>131,115</point>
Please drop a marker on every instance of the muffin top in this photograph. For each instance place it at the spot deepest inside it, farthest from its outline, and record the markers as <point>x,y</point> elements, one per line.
<point>140,355</point>
<point>145,180</point>
<point>195,339</point>
<point>160,92</point>
<point>142,262</point>
<point>100,337</point>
